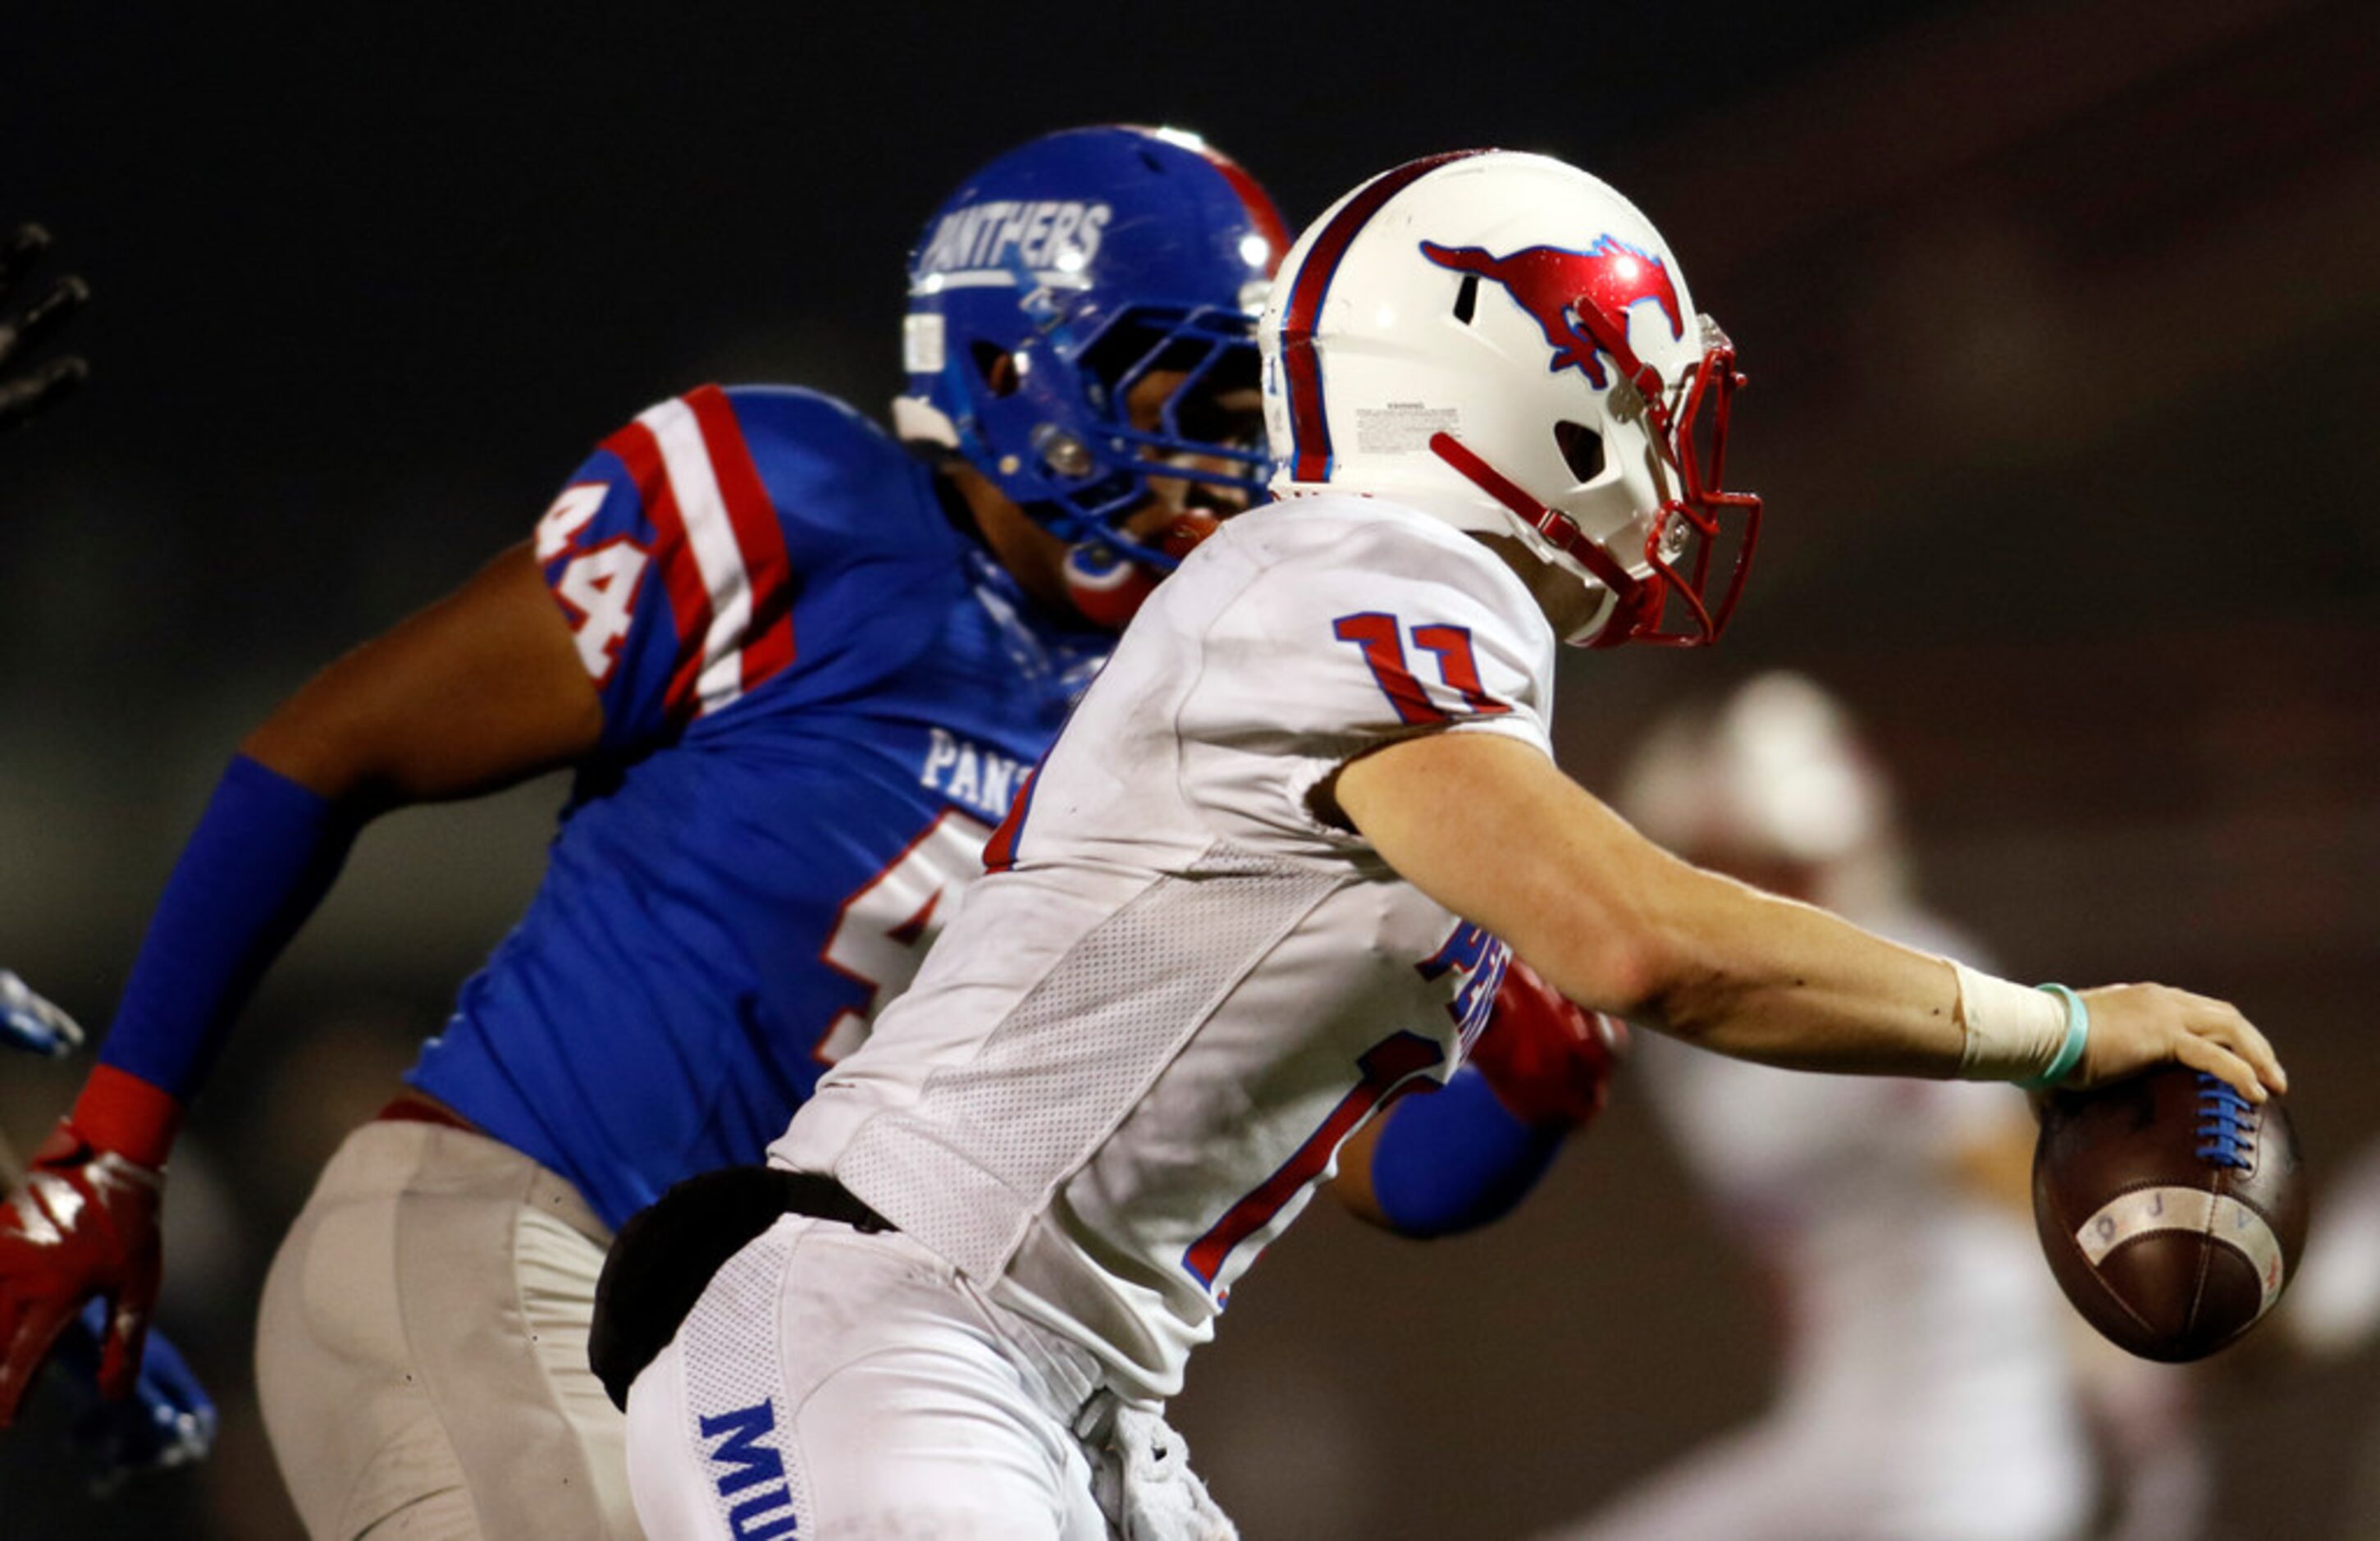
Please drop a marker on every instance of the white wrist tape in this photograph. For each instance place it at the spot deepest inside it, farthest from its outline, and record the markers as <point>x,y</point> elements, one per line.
<point>2013,1031</point>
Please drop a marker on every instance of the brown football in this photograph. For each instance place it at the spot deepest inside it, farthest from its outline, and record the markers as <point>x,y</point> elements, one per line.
<point>2171,1209</point>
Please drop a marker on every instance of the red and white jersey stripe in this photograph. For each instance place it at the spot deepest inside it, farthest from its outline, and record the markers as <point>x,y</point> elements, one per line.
<point>721,551</point>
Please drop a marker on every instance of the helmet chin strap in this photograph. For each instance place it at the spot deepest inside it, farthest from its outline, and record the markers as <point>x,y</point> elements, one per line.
<point>1636,602</point>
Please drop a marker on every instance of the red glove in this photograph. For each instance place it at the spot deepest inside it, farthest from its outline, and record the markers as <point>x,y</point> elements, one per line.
<point>1547,1058</point>
<point>84,1223</point>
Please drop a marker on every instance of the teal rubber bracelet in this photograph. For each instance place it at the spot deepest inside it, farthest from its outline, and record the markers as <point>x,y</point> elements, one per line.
<point>2069,1053</point>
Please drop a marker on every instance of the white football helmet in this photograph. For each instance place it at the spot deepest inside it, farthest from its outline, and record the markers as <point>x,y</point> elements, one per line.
<point>1776,773</point>
<point>1502,341</point>
<point>1774,783</point>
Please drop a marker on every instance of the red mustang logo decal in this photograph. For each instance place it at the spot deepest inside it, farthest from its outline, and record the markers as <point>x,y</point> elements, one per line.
<point>1580,300</point>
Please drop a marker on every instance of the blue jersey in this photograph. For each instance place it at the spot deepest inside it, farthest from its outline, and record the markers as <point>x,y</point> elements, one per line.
<point>818,699</point>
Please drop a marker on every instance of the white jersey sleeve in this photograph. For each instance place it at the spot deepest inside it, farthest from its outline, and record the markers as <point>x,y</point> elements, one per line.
<point>1351,633</point>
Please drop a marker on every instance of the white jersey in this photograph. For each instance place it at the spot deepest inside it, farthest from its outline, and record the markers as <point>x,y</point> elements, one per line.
<point>1134,1054</point>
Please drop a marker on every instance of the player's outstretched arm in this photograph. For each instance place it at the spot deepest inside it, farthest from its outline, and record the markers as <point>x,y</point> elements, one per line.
<point>482,688</point>
<point>27,390</point>
<point>1493,830</point>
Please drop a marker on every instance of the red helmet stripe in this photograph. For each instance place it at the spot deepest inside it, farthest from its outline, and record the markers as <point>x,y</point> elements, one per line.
<point>1309,435</point>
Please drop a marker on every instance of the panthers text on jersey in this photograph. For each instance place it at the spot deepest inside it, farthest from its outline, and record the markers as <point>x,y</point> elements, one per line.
<point>1129,1062</point>
<point>818,699</point>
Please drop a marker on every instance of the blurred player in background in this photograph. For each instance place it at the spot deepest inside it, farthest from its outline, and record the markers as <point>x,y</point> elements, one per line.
<point>800,669</point>
<point>2332,1314</point>
<point>1263,883</point>
<point>162,1417</point>
<point>1933,1383</point>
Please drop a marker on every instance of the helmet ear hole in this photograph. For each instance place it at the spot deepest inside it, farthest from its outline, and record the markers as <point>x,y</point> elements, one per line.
<point>998,367</point>
<point>1582,449</point>
<point>1467,299</point>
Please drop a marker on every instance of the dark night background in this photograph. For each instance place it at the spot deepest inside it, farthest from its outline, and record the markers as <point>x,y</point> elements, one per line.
<point>2059,313</point>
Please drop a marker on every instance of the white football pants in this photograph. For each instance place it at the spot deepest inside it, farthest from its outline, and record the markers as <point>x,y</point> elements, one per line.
<point>852,1387</point>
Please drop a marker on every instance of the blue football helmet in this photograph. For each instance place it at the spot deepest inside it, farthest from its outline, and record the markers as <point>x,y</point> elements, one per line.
<point>1053,283</point>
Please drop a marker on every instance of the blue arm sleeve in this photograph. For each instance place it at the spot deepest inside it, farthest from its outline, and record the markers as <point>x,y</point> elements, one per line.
<point>261,859</point>
<point>1455,1159</point>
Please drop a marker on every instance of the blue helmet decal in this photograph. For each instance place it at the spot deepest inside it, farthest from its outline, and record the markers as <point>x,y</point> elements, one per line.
<point>1046,293</point>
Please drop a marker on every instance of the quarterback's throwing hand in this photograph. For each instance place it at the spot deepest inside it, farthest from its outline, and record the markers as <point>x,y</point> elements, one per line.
<point>82,1223</point>
<point>30,1023</point>
<point>2136,1026</point>
<point>25,391</point>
